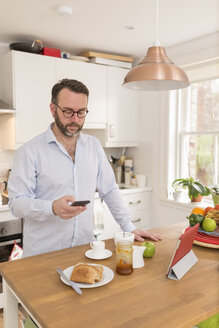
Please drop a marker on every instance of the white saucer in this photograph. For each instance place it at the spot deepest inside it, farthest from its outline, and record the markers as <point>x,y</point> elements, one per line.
<point>90,255</point>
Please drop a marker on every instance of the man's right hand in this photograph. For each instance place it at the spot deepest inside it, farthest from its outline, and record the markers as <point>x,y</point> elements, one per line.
<point>62,208</point>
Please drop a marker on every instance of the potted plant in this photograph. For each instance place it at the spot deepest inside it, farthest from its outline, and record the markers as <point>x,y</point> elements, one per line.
<point>195,188</point>
<point>177,192</point>
<point>215,194</point>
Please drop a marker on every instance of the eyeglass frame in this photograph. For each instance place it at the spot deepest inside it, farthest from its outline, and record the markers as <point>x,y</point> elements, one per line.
<point>73,111</point>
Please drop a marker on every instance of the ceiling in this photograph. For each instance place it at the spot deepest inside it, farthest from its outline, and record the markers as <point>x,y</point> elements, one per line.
<point>99,25</point>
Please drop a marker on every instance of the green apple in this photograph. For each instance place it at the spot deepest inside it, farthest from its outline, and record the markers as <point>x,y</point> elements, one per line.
<point>150,248</point>
<point>209,224</point>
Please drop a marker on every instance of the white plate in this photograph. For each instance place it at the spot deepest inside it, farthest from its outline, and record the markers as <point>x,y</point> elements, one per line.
<point>90,255</point>
<point>108,275</point>
<point>84,59</point>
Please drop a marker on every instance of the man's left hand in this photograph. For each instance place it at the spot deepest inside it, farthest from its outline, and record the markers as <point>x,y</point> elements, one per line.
<point>139,234</point>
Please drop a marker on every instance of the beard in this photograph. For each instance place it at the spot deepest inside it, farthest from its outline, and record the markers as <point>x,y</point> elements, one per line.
<point>64,128</point>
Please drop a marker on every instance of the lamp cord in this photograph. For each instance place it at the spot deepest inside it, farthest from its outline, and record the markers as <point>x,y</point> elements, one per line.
<point>156,42</point>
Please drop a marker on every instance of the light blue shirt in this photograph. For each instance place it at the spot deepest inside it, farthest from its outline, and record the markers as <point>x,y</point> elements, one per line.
<point>42,172</point>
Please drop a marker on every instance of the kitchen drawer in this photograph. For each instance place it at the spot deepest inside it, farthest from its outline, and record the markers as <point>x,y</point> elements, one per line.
<point>137,201</point>
<point>141,219</point>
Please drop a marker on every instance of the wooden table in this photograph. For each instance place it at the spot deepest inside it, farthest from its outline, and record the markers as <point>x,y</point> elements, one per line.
<point>145,298</point>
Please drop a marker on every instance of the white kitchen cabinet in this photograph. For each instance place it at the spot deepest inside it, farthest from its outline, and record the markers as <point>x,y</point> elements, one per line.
<point>139,206</point>
<point>27,84</point>
<point>123,110</point>
<point>95,78</point>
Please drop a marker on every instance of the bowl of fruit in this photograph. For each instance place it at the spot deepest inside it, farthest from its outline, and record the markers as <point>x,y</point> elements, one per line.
<point>207,218</point>
<point>208,232</point>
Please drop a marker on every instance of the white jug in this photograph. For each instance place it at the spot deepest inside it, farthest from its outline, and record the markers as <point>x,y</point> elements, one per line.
<point>138,259</point>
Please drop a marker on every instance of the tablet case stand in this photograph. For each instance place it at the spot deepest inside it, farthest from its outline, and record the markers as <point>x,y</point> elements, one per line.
<point>177,271</point>
<point>183,257</point>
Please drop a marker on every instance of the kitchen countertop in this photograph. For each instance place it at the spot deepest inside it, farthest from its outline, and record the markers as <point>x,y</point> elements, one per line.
<point>5,214</point>
<point>4,208</point>
<point>146,298</point>
<point>123,190</point>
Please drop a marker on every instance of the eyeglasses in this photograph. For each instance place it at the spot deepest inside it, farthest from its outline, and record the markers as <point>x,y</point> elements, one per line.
<point>68,113</point>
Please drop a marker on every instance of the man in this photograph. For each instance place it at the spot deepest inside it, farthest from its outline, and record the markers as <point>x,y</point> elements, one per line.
<point>58,167</point>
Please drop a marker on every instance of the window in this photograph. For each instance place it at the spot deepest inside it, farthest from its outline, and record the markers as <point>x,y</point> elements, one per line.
<point>201,134</point>
<point>193,129</point>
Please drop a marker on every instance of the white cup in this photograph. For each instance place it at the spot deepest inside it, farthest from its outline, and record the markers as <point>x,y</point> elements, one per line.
<point>141,180</point>
<point>98,248</point>
<point>124,236</point>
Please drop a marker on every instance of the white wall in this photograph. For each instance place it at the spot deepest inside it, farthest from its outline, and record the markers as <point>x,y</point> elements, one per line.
<point>150,158</point>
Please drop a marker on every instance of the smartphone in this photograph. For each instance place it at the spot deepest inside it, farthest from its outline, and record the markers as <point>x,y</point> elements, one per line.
<point>80,203</point>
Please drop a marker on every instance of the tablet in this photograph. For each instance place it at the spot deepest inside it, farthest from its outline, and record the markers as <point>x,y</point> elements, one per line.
<point>184,245</point>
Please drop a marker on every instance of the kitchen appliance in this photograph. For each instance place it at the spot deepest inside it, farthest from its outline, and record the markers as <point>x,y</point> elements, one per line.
<point>10,231</point>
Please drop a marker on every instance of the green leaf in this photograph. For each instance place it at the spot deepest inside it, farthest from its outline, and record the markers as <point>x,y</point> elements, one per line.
<point>193,192</point>
<point>199,188</point>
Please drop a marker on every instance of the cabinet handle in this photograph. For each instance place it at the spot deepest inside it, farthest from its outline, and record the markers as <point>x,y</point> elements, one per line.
<point>135,203</point>
<point>136,220</point>
<point>112,130</point>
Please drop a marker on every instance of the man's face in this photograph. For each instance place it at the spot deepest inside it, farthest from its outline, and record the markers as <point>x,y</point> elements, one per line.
<point>68,100</point>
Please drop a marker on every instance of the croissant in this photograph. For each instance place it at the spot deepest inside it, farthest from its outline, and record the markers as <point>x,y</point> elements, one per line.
<point>87,273</point>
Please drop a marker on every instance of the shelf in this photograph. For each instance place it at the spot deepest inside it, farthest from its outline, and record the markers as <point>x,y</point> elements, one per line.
<point>7,111</point>
<point>5,108</point>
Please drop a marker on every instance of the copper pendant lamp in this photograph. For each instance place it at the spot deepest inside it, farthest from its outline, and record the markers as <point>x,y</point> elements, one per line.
<point>156,72</point>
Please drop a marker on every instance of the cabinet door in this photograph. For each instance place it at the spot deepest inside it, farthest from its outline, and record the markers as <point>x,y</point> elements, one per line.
<point>123,109</point>
<point>95,78</point>
<point>139,206</point>
<point>34,76</point>
<point>137,201</point>
<point>141,219</point>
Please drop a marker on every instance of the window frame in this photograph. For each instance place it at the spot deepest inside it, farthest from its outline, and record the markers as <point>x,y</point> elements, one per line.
<point>178,105</point>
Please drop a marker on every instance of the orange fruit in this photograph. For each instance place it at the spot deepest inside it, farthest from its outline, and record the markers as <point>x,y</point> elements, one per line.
<point>198,210</point>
